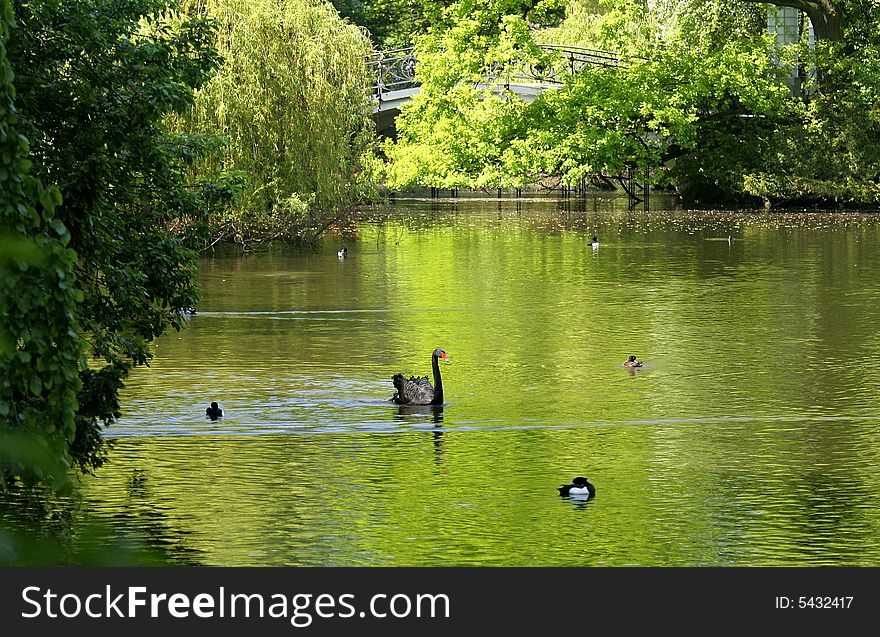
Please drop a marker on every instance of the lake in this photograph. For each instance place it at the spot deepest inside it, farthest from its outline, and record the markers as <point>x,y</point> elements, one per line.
<point>751,436</point>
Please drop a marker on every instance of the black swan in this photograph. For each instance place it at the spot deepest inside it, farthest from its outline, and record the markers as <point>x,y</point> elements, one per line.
<point>214,412</point>
<point>578,488</point>
<point>632,362</point>
<point>418,391</point>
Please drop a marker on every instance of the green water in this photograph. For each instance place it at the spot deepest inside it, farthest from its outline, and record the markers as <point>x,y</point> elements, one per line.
<point>750,437</point>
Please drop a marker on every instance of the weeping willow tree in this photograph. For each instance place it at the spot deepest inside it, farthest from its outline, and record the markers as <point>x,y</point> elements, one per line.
<point>290,99</point>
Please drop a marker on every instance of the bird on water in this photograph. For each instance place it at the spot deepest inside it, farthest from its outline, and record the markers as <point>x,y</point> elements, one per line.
<point>580,488</point>
<point>214,412</point>
<point>419,391</point>
<point>632,361</point>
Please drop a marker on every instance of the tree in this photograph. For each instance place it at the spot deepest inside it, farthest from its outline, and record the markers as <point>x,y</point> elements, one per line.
<point>673,101</point>
<point>39,349</point>
<point>392,23</point>
<point>699,104</point>
<point>290,100</point>
<point>95,80</point>
<point>820,147</point>
<point>832,154</point>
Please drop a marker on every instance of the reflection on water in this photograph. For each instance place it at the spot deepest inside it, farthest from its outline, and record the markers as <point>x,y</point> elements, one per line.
<point>749,437</point>
<point>423,413</point>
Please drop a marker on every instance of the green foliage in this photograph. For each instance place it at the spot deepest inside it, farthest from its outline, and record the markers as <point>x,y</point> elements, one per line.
<point>833,153</point>
<point>392,23</point>
<point>818,148</point>
<point>638,117</point>
<point>453,132</point>
<point>398,23</point>
<point>694,101</point>
<point>636,27</point>
<point>39,348</point>
<point>579,27</point>
<point>700,103</point>
<point>489,15</point>
<point>290,99</point>
<point>94,81</point>
<point>39,527</point>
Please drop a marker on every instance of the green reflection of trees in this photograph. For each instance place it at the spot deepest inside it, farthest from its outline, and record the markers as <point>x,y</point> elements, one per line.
<point>39,528</point>
<point>748,439</point>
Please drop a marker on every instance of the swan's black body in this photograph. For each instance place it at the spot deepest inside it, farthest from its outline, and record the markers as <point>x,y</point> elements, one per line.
<point>418,390</point>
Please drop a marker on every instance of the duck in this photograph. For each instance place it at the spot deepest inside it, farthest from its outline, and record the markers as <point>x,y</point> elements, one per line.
<point>594,243</point>
<point>214,412</point>
<point>342,253</point>
<point>632,362</point>
<point>580,488</point>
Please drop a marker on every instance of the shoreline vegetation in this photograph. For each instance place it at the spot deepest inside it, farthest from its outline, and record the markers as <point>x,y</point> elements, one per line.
<point>713,106</point>
<point>137,134</point>
<point>287,102</point>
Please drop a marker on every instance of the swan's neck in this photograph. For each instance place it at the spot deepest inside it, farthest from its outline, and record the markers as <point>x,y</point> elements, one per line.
<point>438,382</point>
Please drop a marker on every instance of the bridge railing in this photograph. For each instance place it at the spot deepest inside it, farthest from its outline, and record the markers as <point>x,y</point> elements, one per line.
<point>393,70</point>
<point>396,69</point>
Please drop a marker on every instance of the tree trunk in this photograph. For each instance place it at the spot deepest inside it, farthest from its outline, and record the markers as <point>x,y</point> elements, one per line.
<point>826,16</point>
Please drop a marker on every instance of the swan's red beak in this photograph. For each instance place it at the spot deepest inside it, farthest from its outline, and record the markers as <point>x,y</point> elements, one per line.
<point>444,356</point>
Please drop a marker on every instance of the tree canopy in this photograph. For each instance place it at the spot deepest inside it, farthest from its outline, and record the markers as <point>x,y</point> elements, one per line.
<point>392,23</point>
<point>290,101</point>
<point>698,101</point>
<point>94,80</point>
<point>38,347</point>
